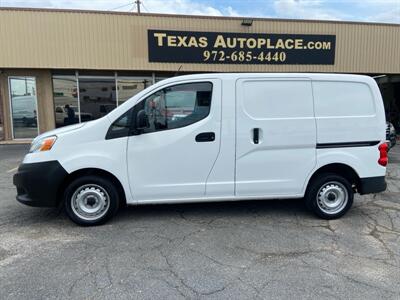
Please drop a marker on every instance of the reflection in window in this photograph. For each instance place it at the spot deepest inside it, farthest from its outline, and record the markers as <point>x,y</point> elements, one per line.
<point>177,106</point>
<point>23,107</point>
<point>1,122</point>
<point>129,87</point>
<point>97,97</point>
<point>160,77</point>
<point>65,100</point>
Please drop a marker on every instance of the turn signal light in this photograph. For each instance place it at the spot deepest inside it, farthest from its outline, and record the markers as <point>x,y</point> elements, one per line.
<point>47,144</point>
<point>383,154</point>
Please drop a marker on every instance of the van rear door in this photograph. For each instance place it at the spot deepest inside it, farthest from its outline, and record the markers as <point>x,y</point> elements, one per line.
<point>275,136</point>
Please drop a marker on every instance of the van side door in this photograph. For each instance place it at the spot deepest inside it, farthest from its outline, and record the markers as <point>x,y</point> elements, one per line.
<point>275,136</point>
<point>172,158</point>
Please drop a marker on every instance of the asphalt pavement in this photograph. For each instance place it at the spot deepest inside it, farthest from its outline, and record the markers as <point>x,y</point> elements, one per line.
<point>231,250</point>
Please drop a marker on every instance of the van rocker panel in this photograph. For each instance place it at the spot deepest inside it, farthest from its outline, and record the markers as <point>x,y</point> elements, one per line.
<point>38,183</point>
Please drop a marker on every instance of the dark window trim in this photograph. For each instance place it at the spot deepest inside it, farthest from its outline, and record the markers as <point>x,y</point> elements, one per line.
<point>121,133</point>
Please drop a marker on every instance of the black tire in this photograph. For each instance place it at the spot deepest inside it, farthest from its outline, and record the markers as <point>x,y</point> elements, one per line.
<point>324,187</point>
<point>92,188</point>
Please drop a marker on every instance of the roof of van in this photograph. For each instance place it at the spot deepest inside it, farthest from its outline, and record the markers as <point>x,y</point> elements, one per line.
<point>312,76</point>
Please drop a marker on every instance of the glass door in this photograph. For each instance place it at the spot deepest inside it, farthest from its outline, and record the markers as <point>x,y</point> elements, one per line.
<point>23,107</point>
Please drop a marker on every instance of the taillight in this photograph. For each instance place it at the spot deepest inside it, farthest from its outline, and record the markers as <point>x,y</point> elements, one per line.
<point>383,154</point>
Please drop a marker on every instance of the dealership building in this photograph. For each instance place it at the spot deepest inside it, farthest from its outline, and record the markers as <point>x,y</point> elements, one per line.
<point>59,67</point>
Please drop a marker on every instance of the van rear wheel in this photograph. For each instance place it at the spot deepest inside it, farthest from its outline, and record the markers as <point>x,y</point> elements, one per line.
<point>91,200</point>
<point>329,196</point>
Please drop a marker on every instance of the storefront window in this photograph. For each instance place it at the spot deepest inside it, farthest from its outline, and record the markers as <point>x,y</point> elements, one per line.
<point>65,100</point>
<point>23,107</point>
<point>162,77</point>
<point>1,130</point>
<point>1,121</point>
<point>97,97</point>
<point>129,87</point>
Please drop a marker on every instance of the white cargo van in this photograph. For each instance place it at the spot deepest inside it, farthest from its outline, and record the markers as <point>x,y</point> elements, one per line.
<point>217,137</point>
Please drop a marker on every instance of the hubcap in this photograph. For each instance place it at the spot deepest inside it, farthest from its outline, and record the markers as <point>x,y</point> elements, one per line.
<point>332,197</point>
<point>90,202</point>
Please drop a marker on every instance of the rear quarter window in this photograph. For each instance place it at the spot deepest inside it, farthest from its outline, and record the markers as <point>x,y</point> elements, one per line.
<point>342,99</point>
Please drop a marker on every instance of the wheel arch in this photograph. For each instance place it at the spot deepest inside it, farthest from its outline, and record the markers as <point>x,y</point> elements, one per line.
<point>342,169</point>
<point>95,172</point>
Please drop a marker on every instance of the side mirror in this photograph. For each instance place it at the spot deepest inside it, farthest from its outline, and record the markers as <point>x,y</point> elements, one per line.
<point>142,120</point>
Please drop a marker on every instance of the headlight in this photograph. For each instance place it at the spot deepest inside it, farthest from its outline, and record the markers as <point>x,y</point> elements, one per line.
<point>43,144</point>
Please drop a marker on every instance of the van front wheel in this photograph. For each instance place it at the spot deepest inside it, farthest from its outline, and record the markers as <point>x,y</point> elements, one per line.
<point>91,200</point>
<point>329,196</point>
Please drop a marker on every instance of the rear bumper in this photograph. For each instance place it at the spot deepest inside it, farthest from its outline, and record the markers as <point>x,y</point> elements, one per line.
<point>38,183</point>
<point>372,185</point>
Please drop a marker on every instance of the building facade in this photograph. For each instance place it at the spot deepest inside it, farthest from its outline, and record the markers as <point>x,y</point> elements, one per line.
<point>59,67</point>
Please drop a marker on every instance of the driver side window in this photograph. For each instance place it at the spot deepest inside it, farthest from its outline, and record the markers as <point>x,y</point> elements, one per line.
<point>177,106</point>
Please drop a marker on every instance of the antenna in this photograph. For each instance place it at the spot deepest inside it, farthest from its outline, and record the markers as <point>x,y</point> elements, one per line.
<point>177,72</point>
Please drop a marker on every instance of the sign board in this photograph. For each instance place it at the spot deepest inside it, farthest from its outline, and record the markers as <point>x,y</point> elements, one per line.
<point>240,48</point>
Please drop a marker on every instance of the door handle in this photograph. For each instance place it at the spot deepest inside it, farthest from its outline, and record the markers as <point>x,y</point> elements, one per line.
<point>205,137</point>
<point>256,135</point>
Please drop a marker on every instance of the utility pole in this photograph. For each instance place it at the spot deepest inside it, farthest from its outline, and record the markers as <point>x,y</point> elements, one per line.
<point>138,6</point>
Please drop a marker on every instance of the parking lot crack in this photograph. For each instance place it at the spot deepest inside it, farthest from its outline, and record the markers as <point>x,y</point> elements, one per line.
<point>172,271</point>
<point>76,281</point>
<point>283,254</point>
<point>375,234</point>
<point>213,291</point>
<point>347,277</point>
<point>217,261</point>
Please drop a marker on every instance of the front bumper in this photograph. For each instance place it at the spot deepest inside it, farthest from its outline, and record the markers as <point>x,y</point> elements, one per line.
<point>372,185</point>
<point>38,183</point>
